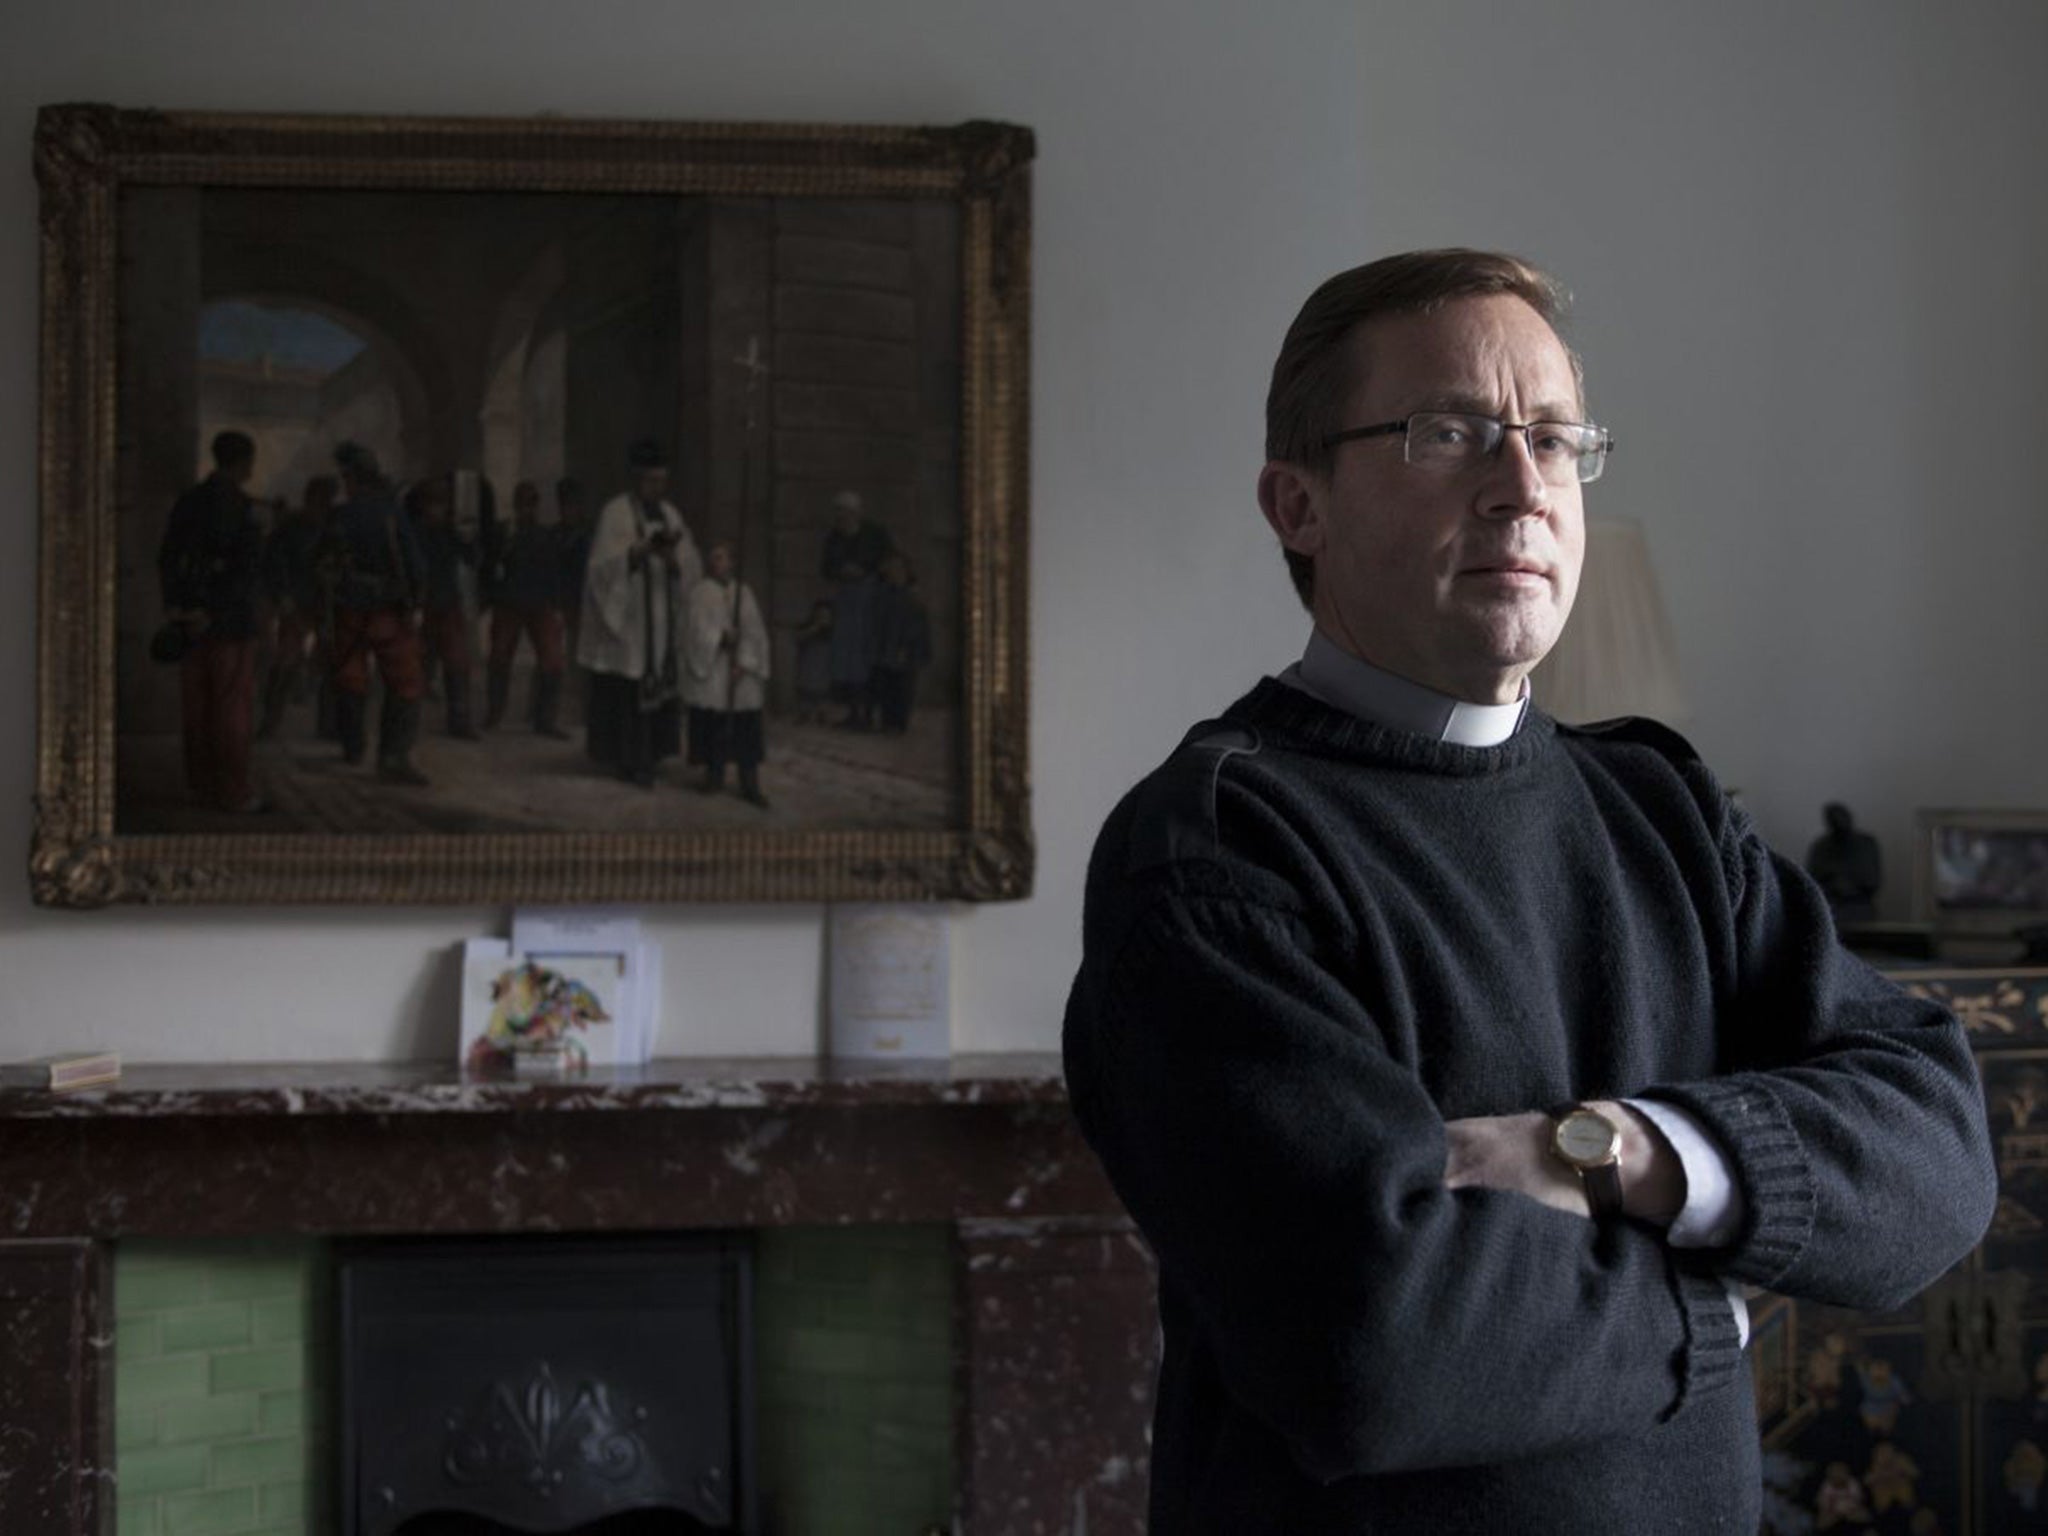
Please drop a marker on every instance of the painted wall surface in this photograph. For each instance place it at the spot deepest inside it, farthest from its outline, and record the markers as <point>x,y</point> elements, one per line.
<point>1803,239</point>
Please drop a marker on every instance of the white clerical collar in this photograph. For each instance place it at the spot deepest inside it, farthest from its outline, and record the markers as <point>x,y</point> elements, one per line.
<point>1372,693</point>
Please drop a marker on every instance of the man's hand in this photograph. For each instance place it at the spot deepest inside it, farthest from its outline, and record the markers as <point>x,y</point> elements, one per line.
<point>1513,1152</point>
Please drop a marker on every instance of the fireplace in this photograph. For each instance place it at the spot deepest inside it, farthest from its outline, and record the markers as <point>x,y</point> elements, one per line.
<point>546,1386</point>
<point>1053,1346</point>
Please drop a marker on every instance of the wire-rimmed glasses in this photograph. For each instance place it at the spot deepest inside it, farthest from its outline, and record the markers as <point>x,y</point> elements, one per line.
<point>1564,451</point>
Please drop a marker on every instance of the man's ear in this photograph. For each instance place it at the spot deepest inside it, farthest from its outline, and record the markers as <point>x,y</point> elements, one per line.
<point>1293,501</point>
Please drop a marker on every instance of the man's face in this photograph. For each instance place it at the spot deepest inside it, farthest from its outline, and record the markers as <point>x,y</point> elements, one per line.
<point>650,483</point>
<point>1458,579</point>
<point>720,561</point>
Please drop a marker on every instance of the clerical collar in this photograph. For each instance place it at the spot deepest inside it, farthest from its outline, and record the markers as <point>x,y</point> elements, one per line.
<point>1372,693</point>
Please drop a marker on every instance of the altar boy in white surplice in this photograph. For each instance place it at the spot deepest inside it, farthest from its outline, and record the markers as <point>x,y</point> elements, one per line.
<point>725,677</point>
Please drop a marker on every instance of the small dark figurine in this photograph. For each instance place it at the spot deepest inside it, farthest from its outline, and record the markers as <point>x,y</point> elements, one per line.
<point>1847,864</point>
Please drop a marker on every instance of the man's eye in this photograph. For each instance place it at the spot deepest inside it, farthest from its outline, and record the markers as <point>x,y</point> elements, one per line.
<point>1447,434</point>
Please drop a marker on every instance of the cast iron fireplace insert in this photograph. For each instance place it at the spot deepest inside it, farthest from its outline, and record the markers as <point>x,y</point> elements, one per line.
<point>547,1385</point>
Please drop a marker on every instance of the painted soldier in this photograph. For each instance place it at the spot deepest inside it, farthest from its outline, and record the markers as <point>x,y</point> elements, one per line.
<point>292,582</point>
<point>210,567</point>
<point>525,583</point>
<point>449,548</point>
<point>379,576</point>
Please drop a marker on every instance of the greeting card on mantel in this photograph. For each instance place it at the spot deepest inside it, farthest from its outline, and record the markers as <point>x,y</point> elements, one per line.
<point>890,980</point>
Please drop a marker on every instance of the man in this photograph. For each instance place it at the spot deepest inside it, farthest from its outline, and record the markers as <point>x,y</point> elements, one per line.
<point>578,529</point>
<point>292,580</point>
<point>725,675</point>
<point>855,547</point>
<point>379,577</point>
<point>209,566</point>
<point>1362,949</point>
<point>526,599</point>
<point>449,548</point>
<point>642,563</point>
<point>903,643</point>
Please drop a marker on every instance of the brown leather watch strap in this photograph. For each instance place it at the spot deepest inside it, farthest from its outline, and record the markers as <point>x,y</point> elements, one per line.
<point>1603,1188</point>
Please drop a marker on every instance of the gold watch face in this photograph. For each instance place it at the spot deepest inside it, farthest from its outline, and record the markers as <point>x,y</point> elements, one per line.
<point>1586,1139</point>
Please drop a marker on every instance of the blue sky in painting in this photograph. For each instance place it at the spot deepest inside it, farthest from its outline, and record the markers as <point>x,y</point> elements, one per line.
<point>234,330</point>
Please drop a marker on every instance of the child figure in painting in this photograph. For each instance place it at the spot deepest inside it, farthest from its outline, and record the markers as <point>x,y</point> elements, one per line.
<point>814,664</point>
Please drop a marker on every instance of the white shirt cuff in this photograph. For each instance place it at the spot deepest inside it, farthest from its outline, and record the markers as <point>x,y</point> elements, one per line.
<point>1740,1303</point>
<point>1713,1209</point>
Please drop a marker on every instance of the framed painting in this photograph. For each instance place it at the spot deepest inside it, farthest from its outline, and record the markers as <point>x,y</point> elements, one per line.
<point>449,510</point>
<point>1982,872</point>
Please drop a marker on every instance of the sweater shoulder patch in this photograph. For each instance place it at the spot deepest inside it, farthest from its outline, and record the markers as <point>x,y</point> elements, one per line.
<point>1639,731</point>
<point>1174,816</point>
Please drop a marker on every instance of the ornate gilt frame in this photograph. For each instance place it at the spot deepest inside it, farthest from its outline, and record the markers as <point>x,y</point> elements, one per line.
<point>85,155</point>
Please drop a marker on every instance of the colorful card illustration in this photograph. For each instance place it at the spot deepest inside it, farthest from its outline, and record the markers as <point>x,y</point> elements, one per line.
<point>524,1013</point>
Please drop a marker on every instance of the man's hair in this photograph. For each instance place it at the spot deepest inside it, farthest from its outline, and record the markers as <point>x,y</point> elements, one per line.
<point>233,449</point>
<point>1313,376</point>
<point>358,464</point>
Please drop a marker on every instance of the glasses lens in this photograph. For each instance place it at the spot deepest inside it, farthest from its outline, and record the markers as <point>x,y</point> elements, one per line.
<point>1450,440</point>
<point>1589,450</point>
<point>1567,450</point>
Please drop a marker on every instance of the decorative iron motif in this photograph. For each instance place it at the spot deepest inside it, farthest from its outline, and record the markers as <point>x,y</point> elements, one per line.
<point>524,1434</point>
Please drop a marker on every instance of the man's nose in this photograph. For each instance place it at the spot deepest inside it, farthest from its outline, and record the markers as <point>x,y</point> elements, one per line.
<point>1513,485</point>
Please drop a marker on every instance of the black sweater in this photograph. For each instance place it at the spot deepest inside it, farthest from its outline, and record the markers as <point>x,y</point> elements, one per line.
<point>1310,941</point>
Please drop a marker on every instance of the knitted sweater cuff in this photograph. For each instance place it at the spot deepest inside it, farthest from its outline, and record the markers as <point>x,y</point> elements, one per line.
<point>1713,1340</point>
<point>1777,1183</point>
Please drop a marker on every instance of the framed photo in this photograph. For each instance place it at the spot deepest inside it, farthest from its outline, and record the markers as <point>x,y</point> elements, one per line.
<point>442,510</point>
<point>1982,871</point>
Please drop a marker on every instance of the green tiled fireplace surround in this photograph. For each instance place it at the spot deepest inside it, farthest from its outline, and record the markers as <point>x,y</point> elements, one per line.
<point>222,1372</point>
<point>223,1382</point>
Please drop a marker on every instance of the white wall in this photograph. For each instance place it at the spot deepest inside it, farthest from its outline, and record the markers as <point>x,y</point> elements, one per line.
<point>1804,239</point>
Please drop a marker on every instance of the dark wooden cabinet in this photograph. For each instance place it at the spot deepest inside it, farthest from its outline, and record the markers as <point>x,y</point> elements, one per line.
<point>1933,1420</point>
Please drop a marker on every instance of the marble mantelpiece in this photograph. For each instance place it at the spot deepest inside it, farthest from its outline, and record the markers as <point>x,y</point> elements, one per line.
<point>402,1088</point>
<point>1052,1291</point>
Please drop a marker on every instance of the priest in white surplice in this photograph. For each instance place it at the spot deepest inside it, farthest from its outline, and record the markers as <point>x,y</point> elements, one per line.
<point>725,676</point>
<point>643,564</point>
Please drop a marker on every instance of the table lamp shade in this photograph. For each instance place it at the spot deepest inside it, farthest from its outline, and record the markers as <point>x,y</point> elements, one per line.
<point>1616,656</point>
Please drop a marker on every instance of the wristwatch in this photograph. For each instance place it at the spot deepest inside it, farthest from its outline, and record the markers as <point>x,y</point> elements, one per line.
<point>1591,1143</point>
